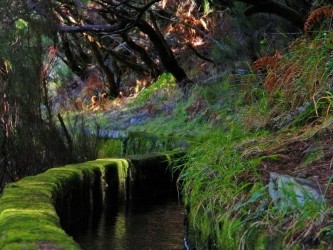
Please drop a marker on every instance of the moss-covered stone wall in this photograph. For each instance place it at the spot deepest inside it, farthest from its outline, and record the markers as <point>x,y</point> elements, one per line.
<point>138,143</point>
<point>33,210</point>
<point>30,208</point>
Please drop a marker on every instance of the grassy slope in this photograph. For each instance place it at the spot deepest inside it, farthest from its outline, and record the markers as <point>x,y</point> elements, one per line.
<point>240,129</point>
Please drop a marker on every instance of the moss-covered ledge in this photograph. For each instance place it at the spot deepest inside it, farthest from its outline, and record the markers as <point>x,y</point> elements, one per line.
<point>29,208</point>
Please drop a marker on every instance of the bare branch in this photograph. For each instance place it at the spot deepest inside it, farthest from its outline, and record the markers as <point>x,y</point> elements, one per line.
<point>200,55</point>
<point>118,27</point>
<point>270,6</point>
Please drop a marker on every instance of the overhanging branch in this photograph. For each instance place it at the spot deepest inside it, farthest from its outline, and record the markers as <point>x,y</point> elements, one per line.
<point>273,7</point>
<point>118,27</point>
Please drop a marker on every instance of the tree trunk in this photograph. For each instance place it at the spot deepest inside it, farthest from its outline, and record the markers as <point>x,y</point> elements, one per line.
<point>166,55</point>
<point>71,61</point>
<point>113,88</point>
<point>143,55</point>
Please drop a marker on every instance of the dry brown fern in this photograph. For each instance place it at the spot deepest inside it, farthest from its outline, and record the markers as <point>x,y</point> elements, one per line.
<point>280,77</point>
<point>280,74</point>
<point>94,86</point>
<point>266,62</point>
<point>317,16</point>
<point>271,82</point>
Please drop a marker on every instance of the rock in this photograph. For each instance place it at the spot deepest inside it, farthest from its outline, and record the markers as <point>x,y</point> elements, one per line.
<point>291,192</point>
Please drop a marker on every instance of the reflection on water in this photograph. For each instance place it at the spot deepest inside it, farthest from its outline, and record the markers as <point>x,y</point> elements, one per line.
<point>141,225</point>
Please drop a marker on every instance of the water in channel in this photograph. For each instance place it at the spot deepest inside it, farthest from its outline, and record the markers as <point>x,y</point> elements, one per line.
<point>139,224</point>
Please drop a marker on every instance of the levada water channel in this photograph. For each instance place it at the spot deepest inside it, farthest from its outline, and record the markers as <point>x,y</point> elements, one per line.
<point>146,214</point>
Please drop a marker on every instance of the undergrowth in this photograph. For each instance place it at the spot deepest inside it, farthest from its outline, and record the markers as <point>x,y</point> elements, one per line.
<point>233,129</point>
<point>160,91</point>
<point>233,126</point>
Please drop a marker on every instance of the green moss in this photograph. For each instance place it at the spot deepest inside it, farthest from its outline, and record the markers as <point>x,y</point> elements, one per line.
<point>30,208</point>
<point>21,227</point>
<point>110,148</point>
<point>28,218</point>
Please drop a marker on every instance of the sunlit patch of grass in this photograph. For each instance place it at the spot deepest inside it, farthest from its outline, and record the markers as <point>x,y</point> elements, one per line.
<point>160,91</point>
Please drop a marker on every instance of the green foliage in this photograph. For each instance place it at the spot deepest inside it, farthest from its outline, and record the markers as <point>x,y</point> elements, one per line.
<point>223,126</point>
<point>110,148</point>
<point>304,74</point>
<point>83,135</point>
<point>312,156</point>
<point>30,141</point>
<point>213,174</point>
<point>21,24</point>
<point>207,6</point>
<point>158,91</point>
<point>229,205</point>
<point>213,184</point>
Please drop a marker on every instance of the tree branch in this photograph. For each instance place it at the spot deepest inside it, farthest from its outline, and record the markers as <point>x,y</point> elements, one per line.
<point>143,55</point>
<point>200,55</point>
<point>67,135</point>
<point>120,26</point>
<point>270,6</point>
<point>113,88</point>
<point>165,53</point>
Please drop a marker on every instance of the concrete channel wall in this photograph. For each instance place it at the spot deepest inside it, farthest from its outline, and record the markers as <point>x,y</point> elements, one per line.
<point>33,209</point>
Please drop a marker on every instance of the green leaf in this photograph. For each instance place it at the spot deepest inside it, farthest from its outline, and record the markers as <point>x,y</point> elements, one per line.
<point>21,24</point>
<point>257,195</point>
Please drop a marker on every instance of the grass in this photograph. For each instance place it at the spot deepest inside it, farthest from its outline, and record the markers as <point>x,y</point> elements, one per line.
<point>235,126</point>
<point>213,173</point>
<point>159,92</point>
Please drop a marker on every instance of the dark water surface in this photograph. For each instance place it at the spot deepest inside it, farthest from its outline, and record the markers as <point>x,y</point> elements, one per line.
<point>140,225</point>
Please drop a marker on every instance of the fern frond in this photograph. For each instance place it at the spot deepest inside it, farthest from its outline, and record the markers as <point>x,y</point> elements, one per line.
<point>317,16</point>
